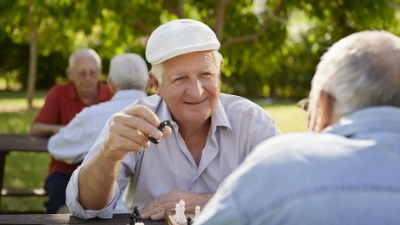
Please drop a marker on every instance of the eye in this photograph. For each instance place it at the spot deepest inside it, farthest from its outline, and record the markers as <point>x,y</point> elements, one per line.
<point>177,78</point>
<point>208,74</point>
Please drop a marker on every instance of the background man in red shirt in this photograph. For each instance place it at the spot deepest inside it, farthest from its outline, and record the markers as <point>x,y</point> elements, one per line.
<point>62,103</point>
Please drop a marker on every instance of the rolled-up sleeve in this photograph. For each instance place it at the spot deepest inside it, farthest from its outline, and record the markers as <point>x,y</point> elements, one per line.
<point>72,200</point>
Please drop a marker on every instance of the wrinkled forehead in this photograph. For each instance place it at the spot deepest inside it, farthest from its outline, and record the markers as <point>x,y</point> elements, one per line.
<point>195,61</point>
<point>85,62</point>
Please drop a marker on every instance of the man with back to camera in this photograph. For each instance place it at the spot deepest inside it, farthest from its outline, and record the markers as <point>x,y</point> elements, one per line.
<point>346,171</point>
<point>210,133</point>
<point>62,103</point>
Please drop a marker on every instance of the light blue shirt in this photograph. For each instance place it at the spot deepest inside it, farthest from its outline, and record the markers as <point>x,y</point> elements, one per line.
<point>349,174</point>
<point>237,126</point>
<point>74,141</point>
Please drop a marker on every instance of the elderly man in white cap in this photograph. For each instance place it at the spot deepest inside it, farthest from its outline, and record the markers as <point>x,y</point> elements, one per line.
<point>208,136</point>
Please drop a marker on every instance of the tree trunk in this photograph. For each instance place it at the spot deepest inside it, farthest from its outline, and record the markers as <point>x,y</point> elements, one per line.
<point>32,58</point>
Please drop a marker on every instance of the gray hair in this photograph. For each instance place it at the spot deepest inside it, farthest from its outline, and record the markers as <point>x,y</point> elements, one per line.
<point>84,52</point>
<point>128,71</point>
<point>158,69</point>
<point>360,71</point>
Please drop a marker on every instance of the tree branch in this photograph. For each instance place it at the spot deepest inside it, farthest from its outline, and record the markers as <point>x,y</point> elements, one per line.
<point>254,37</point>
<point>219,18</point>
<point>140,24</point>
<point>178,11</point>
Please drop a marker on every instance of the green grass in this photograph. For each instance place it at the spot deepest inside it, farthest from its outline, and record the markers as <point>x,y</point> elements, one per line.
<point>30,169</point>
<point>288,117</point>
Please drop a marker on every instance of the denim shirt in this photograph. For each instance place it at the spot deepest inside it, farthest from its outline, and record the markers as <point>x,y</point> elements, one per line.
<point>348,174</point>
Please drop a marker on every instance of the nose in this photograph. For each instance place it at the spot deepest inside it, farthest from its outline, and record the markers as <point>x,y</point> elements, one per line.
<point>87,75</point>
<point>195,88</point>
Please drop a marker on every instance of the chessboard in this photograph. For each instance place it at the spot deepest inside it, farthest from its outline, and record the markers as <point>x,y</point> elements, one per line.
<point>170,220</point>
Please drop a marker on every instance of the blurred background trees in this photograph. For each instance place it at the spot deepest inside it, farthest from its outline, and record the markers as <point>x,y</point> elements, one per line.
<point>270,47</point>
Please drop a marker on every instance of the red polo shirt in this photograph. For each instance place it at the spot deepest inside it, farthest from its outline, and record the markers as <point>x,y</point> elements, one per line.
<point>60,107</point>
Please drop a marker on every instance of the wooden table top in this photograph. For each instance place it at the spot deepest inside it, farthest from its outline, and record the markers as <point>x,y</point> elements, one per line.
<point>56,219</point>
<point>22,142</point>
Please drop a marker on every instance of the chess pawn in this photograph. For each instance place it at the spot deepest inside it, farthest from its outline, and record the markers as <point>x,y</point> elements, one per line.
<point>176,211</point>
<point>196,212</point>
<point>180,217</point>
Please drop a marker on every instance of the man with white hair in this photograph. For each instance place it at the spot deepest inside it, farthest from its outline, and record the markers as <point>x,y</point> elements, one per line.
<point>346,170</point>
<point>210,133</point>
<point>128,81</point>
<point>62,103</point>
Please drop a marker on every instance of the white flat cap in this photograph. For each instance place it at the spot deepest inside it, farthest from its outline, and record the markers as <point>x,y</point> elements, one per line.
<point>179,37</point>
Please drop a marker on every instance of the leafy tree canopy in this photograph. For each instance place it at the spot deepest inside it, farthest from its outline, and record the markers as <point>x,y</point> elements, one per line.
<point>270,47</point>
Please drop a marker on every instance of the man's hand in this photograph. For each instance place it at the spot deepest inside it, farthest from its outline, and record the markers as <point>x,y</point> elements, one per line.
<point>130,130</point>
<point>155,210</point>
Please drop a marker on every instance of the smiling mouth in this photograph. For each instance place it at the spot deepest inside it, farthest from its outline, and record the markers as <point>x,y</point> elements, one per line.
<point>195,103</point>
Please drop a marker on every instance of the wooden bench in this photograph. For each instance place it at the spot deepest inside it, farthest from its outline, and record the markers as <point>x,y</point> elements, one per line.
<point>23,192</point>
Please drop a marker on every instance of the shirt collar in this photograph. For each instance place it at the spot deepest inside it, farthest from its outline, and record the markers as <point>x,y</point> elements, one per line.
<point>127,94</point>
<point>72,92</point>
<point>219,118</point>
<point>382,118</point>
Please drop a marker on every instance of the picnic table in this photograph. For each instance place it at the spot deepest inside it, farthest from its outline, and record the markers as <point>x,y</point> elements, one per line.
<point>19,143</point>
<point>54,219</point>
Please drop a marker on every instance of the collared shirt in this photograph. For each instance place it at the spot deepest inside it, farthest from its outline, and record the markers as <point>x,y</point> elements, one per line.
<point>349,174</point>
<point>237,126</point>
<point>74,141</point>
<point>61,105</point>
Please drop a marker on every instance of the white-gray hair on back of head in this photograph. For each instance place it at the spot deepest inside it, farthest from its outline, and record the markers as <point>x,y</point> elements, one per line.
<point>158,69</point>
<point>84,52</point>
<point>128,71</point>
<point>360,71</point>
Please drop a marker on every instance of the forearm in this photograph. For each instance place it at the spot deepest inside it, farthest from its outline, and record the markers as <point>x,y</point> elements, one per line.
<point>96,182</point>
<point>41,129</point>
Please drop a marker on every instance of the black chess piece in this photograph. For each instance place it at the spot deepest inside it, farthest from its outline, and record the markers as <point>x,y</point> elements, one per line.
<point>136,211</point>
<point>134,216</point>
<point>189,220</point>
<point>160,127</point>
<point>132,219</point>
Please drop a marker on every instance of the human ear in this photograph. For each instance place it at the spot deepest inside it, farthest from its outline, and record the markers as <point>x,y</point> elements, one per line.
<point>327,110</point>
<point>155,83</point>
<point>68,72</point>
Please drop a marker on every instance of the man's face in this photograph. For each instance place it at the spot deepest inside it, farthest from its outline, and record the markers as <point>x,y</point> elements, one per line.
<point>85,75</point>
<point>190,87</point>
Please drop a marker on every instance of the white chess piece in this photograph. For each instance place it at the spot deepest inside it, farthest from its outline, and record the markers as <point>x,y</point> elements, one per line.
<point>180,217</point>
<point>176,211</point>
<point>197,212</point>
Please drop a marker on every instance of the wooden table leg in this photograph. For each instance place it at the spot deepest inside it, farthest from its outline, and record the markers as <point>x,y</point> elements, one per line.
<point>2,166</point>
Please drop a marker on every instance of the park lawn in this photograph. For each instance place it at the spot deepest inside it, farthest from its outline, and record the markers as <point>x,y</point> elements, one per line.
<point>25,170</point>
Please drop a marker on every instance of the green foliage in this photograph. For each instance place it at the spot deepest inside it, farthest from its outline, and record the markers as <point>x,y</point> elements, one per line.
<point>270,49</point>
